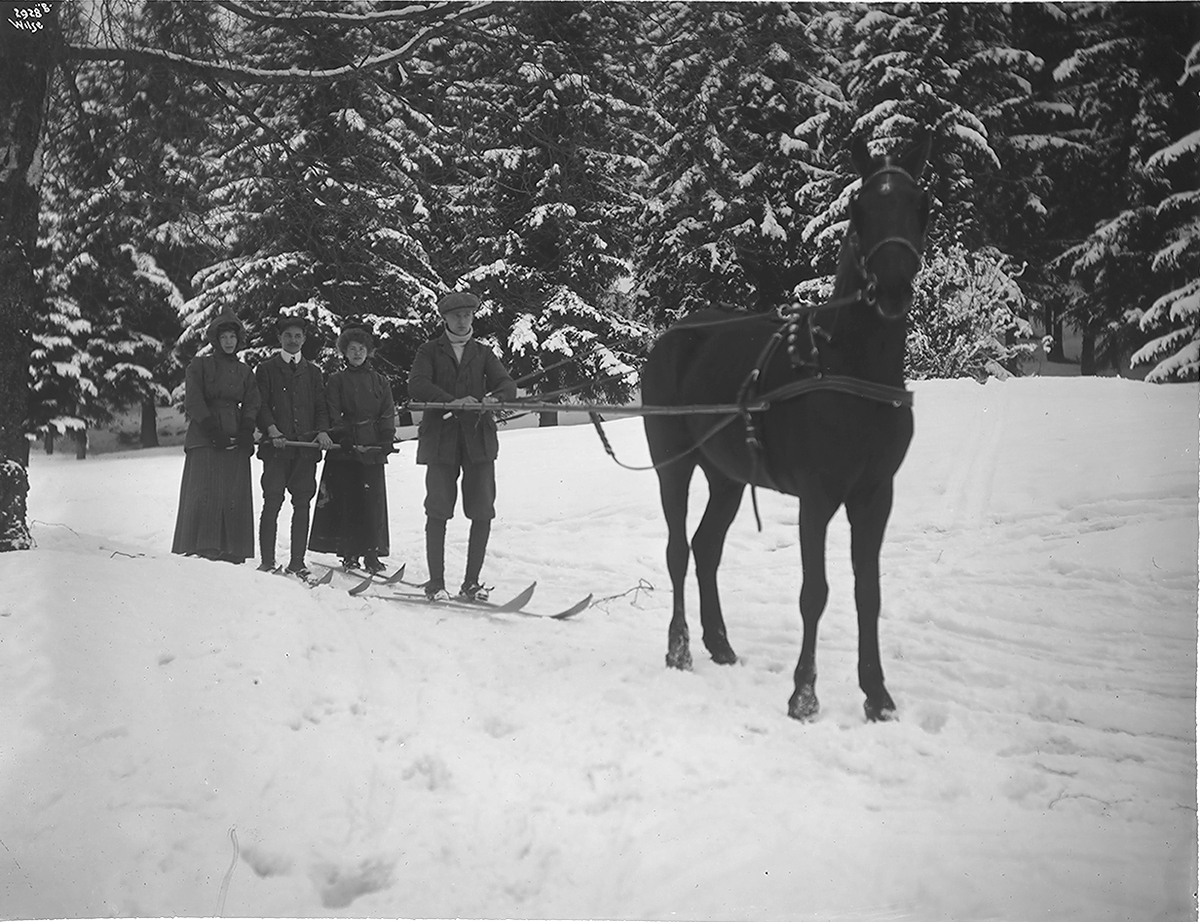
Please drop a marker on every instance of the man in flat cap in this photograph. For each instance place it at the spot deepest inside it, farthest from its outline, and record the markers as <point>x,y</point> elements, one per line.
<point>293,409</point>
<point>455,368</point>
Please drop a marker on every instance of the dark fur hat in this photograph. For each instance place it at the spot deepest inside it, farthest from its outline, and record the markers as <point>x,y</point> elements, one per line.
<point>355,335</point>
<point>226,321</point>
<point>284,321</point>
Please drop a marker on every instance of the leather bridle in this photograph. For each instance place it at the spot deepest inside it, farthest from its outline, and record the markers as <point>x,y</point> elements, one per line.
<point>870,288</point>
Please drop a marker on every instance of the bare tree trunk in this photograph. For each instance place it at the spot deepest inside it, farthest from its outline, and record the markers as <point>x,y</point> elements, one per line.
<point>48,441</point>
<point>1054,327</point>
<point>80,444</point>
<point>1087,354</point>
<point>149,423</point>
<point>26,58</point>
<point>14,487</point>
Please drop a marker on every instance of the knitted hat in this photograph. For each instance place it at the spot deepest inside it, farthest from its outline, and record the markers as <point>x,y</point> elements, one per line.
<point>355,335</point>
<point>457,300</point>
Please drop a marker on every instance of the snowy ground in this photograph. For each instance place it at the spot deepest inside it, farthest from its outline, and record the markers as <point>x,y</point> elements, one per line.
<point>188,738</point>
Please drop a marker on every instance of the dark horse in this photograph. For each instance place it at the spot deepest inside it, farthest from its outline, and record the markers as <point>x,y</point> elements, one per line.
<point>825,418</point>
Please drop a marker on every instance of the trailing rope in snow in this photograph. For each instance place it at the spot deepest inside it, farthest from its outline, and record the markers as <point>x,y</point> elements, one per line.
<point>228,874</point>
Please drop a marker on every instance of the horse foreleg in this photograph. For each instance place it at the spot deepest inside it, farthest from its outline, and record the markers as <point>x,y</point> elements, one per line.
<point>815,513</point>
<point>868,515</point>
<point>724,498</point>
<point>673,483</point>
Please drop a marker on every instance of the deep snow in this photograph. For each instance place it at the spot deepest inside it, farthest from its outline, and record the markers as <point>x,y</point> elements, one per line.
<point>190,738</point>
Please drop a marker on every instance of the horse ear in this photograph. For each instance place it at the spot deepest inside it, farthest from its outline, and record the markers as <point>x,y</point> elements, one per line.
<point>914,161</point>
<point>856,214</point>
<point>860,156</point>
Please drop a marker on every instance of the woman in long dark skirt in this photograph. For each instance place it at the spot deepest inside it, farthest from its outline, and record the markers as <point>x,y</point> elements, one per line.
<point>351,516</point>
<point>216,505</point>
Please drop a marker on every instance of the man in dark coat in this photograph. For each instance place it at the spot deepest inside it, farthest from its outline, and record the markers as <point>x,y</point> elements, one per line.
<point>455,368</point>
<point>293,410</point>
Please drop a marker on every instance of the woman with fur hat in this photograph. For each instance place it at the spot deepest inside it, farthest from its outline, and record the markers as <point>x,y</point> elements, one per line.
<point>221,399</point>
<point>351,518</point>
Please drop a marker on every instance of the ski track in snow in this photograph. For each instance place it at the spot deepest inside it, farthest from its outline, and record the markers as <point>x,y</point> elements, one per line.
<point>188,738</point>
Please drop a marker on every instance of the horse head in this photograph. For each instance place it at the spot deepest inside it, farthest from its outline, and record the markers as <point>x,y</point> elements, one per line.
<point>888,217</point>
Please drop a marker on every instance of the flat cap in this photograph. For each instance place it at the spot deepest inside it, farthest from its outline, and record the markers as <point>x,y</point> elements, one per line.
<point>456,300</point>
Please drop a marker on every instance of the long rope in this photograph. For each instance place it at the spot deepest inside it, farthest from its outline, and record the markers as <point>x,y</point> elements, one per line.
<point>596,421</point>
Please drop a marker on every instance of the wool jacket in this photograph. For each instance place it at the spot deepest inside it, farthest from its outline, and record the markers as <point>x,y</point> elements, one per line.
<point>222,386</point>
<point>438,377</point>
<point>293,400</point>
<point>360,405</point>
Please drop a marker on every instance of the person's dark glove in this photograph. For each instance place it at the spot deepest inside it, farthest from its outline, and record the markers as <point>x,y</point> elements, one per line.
<point>212,428</point>
<point>347,443</point>
<point>245,437</point>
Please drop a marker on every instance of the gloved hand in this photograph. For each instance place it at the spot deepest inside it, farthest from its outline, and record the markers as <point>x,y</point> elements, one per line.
<point>347,443</point>
<point>212,428</point>
<point>245,436</point>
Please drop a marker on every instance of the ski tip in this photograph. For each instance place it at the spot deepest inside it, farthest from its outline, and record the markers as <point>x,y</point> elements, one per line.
<point>361,587</point>
<point>395,577</point>
<point>574,609</point>
<point>322,580</point>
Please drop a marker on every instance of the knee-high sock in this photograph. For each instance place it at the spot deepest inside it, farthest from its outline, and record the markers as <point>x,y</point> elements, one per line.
<point>435,550</point>
<point>477,548</point>
<point>299,532</point>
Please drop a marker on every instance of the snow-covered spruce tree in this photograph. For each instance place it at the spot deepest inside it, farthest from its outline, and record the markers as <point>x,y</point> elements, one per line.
<point>170,115</point>
<point>317,200</point>
<point>954,70</point>
<point>111,194</point>
<point>738,89</point>
<point>1174,317</point>
<point>537,196</point>
<point>26,62</point>
<point>967,309</point>
<point>81,345</point>
<point>1124,81</point>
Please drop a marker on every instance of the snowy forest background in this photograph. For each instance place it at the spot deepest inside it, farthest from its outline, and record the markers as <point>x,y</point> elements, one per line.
<point>594,171</point>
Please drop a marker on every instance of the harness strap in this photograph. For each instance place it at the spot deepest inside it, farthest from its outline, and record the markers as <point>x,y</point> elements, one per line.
<point>753,442</point>
<point>882,393</point>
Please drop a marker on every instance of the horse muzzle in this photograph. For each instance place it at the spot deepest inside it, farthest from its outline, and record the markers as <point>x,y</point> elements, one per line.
<point>890,304</point>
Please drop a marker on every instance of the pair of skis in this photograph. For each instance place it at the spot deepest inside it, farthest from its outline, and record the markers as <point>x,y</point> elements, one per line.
<point>515,605</point>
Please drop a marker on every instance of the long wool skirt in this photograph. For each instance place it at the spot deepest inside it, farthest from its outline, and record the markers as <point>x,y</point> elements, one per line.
<point>216,504</point>
<point>351,515</point>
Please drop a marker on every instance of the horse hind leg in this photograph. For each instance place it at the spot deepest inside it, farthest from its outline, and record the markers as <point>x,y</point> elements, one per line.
<point>674,480</point>
<point>724,498</point>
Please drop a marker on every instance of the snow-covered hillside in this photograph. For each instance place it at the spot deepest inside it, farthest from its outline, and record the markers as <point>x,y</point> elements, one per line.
<point>190,738</point>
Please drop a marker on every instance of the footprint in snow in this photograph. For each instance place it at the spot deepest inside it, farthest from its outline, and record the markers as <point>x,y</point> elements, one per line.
<point>341,886</point>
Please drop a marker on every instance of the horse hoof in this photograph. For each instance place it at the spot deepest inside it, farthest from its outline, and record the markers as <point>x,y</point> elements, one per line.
<point>721,653</point>
<point>879,711</point>
<point>679,659</point>
<point>803,705</point>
